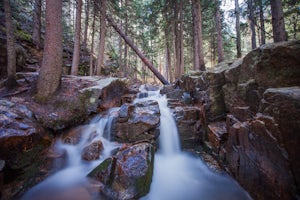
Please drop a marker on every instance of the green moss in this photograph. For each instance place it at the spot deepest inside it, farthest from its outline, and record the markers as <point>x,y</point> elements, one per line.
<point>22,35</point>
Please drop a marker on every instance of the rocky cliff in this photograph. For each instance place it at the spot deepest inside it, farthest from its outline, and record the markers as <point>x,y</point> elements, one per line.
<point>250,118</point>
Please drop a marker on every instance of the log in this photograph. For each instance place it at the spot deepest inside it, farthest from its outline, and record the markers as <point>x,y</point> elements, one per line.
<point>137,51</point>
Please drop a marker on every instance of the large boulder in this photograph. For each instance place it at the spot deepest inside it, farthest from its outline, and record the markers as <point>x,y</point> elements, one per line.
<point>269,66</point>
<point>137,122</point>
<point>77,99</point>
<point>128,174</point>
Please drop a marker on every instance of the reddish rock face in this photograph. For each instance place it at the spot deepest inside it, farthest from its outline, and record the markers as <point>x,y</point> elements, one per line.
<point>284,105</point>
<point>92,151</point>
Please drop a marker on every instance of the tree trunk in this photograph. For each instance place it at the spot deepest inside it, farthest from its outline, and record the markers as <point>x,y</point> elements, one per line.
<point>198,42</point>
<point>50,73</point>
<point>238,30</point>
<point>279,33</point>
<point>262,23</point>
<point>86,23</point>
<point>76,52</point>
<point>126,33</point>
<point>181,48</point>
<point>100,59</point>
<point>252,24</point>
<point>36,35</point>
<point>10,45</point>
<point>137,51</point>
<point>92,45</point>
<point>219,35</point>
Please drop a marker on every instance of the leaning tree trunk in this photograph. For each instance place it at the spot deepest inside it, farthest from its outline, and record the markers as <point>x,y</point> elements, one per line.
<point>279,33</point>
<point>76,53</point>
<point>50,73</point>
<point>137,51</point>
<point>11,52</point>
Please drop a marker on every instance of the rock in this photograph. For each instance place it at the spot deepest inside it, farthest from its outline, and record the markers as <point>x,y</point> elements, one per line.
<point>217,135</point>
<point>77,99</point>
<point>254,158</point>
<point>128,174</point>
<point>187,119</point>
<point>23,143</point>
<point>137,122</point>
<point>271,65</point>
<point>284,105</point>
<point>92,151</point>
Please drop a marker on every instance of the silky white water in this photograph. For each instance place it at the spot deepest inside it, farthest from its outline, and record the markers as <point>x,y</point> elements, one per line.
<point>177,175</point>
<point>67,181</point>
<point>180,176</point>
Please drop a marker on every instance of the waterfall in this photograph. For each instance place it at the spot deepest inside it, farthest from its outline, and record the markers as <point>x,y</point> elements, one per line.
<point>71,179</point>
<point>180,176</point>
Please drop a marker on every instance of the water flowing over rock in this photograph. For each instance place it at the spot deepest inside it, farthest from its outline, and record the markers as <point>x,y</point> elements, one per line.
<point>77,99</point>
<point>128,174</point>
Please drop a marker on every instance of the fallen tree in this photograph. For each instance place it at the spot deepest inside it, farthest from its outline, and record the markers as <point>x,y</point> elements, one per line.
<point>137,51</point>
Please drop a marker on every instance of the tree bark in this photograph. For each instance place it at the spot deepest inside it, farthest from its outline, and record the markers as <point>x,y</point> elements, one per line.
<point>238,30</point>
<point>100,59</point>
<point>50,73</point>
<point>10,46</point>
<point>92,44</point>
<point>198,41</point>
<point>86,23</point>
<point>219,35</point>
<point>76,52</point>
<point>36,35</point>
<point>181,47</point>
<point>279,33</point>
<point>252,24</point>
<point>137,51</point>
<point>262,23</point>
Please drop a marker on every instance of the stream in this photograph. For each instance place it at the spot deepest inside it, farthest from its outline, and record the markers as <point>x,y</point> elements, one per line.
<point>177,175</point>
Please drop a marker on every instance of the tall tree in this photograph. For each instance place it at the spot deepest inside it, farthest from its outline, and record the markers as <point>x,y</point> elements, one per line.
<point>76,52</point>
<point>262,22</point>
<point>197,35</point>
<point>238,29</point>
<point>51,70</point>
<point>86,23</point>
<point>92,42</point>
<point>279,33</point>
<point>10,44</point>
<point>219,33</point>
<point>252,24</point>
<point>37,21</point>
<point>100,58</point>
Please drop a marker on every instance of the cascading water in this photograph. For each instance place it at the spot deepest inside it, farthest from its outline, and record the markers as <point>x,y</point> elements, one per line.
<point>180,176</point>
<point>177,175</point>
<point>70,181</point>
